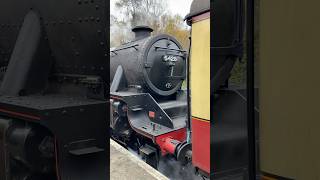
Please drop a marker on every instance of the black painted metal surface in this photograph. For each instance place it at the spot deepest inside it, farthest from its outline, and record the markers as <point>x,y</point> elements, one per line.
<point>251,120</point>
<point>4,156</point>
<point>76,31</point>
<point>140,104</point>
<point>229,145</point>
<point>64,101</point>
<point>71,121</point>
<point>30,62</point>
<point>227,45</point>
<point>229,151</point>
<point>198,7</point>
<point>155,64</point>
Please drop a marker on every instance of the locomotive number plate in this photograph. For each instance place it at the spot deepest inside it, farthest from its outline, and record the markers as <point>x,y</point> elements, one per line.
<point>167,58</point>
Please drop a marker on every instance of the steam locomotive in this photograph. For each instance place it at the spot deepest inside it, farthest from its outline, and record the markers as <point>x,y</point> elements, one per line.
<point>148,107</point>
<point>150,112</point>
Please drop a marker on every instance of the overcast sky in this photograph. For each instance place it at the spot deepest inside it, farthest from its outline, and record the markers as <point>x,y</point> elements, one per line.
<point>180,7</point>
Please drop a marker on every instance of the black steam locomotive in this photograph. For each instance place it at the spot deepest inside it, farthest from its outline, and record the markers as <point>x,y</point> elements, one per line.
<point>148,107</point>
<point>53,95</point>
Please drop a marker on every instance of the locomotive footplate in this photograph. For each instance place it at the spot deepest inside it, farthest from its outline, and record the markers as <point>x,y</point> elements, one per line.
<point>155,120</point>
<point>78,126</point>
<point>146,116</point>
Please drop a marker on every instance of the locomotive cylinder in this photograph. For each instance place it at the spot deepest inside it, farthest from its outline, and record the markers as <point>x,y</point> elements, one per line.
<point>152,64</point>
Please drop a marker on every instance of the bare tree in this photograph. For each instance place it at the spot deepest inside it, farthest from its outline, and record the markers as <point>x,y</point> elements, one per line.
<point>146,12</point>
<point>142,12</point>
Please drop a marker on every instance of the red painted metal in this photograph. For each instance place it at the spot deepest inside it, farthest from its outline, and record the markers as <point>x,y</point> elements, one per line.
<point>201,144</point>
<point>152,114</point>
<point>201,17</point>
<point>170,145</point>
<point>20,114</point>
<point>166,141</point>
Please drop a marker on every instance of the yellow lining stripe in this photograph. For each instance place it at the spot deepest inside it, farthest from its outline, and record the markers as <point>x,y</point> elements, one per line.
<point>200,119</point>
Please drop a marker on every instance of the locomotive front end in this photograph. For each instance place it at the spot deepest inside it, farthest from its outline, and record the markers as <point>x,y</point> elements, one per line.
<point>148,106</point>
<point>155,64</point>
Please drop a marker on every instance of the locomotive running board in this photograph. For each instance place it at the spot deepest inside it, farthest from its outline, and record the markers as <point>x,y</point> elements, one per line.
<point>146,116</point>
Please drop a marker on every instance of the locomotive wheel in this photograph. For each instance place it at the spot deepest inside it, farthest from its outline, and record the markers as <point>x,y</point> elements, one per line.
<point>184,154</point>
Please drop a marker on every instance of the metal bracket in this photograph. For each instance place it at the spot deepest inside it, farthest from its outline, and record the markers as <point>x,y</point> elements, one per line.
<point>138,102</point>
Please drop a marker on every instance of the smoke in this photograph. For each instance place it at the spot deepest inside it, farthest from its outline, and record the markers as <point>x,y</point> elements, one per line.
<point>173,169</point>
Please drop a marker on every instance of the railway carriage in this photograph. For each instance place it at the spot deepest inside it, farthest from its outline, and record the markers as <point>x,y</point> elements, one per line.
<point>199,20</point>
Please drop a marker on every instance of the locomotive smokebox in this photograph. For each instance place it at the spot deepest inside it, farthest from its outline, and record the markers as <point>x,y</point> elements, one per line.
<point>141,32</point>
<point>150,64</point>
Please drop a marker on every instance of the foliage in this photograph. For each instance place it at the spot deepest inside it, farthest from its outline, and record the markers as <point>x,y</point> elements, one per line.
<point>173,25</point>
<point>142,11</point>
<point>146,12</point>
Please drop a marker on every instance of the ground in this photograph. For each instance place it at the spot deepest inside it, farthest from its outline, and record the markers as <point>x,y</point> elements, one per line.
<point>126,166</point>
